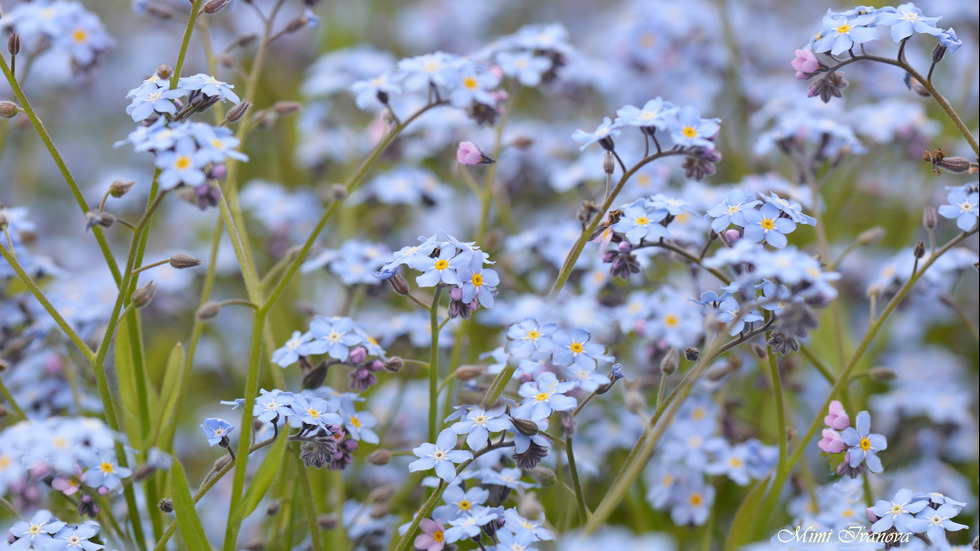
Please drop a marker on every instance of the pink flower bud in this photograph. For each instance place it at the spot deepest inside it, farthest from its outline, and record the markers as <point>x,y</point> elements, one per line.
<point>469,154</point>
<point>872,517</point>
<point>805,64</point>
<point>358,354</point>
<point>831,441</point>
<point>837,419</point>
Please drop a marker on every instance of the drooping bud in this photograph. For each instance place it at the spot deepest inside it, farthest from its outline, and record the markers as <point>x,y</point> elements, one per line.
<point>166,505</point>
<point>164,71</point>
<point>283,108</point>
<point>399,284</point>
<point>236,113</point>
<point>468,372</point>
<point>883,374</point>
<point>212,7</point>
<point>830,86</point>
<point>669,364</point>
<point>871,236</point>
<point>759,351</point>
<point>394,364</point>
<point>105,219</point>
<point>379,456</point>
<point>916,86</point>
<point>119,188</point>
<point>326,522</point>
<point>208,310</point>
<point>8,109</point>
<point>181,261</point>
<point>143,296</point>
<point>525,426</point>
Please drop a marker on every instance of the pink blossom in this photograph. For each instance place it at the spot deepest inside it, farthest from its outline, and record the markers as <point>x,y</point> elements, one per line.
<point>831,441</point>
<point>433,537</point>
<point>837,419</point>
<point>805,64</point>
<point>469,154</point>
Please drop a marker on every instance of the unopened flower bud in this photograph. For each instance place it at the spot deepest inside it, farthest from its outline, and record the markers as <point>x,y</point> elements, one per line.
<point>119,188</point>
<point>920,250</point>
<point>181,261</point>
<point>273,508</point>
<point>730,237</point>
<point>208,310</point>
<point>759,351</point>
<point>166,505</point>
<point>105,219</point>
<point>143,296</point>
<point>8,109</point>
<point>394,364</point>
<point>956,165</point>
<point>236,113</point>
<point>164,71</point>
<point>283,108</point>
<point>872,236</point>
<point>608,163</point>
<point>399,284</point>
<point>928,217</point>
<point>382,494</point>
<point>523,142</point>
<point>544,475</point>
<point>336,192</point>
<point>212,7</point>
<point>916,86</point>
<point>692,354</point>
<point>468,372</point>
<point>938,53</point>
<point>524,426</point>
<point>883,374</point>
<point>380,456</point>
<point>13,43</point>
<point>669,364</point>
<point>326,522</point>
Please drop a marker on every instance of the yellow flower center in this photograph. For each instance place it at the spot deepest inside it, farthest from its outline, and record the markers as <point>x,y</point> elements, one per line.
<point>542,397</point>
<point>897,509</point>
<point>576,347</point>
<point>735,462</point>
<point>441,264</point>
<point>437,536</point>
<point>768,224</point>
<point>106,467</point>
<point>695,500</point>
<point>670,320</point>
<point>642,221</point>
<point>183,162</point>
<point>35,529</point>
<point>313,413</point>
<point>79,36</point>
<point>865,444</point>
<point>355,421</point>
<point>480,420</point>
<point>532,335</point>
<point>648,40</point>
<point>464,505</point>
<point>470,83</point>
<point>843,29</point>
<point>689,132</point>
<point>477,280</point>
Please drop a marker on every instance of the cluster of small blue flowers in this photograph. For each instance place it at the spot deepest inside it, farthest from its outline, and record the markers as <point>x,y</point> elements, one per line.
<point>70,455</point>
<point>329,426</point>
<point>344,342</point>
<point>800,272</point>
<point>45,532</point>
<point>861,445</point>
<point>446,262</point>
<point>933,513</point>
<point>355,262</point>
<point>187,153</point>
<point>60,27</point>
<point>842,31</point>
<point>676,476</point>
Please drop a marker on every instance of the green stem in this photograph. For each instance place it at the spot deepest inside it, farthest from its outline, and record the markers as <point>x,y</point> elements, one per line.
<point>579,494</point>
<point>777,387</point>
<point>824,370</point>
<point>314,527</point>
<point>843,377</point>
<point>10,401</point>
<point>434,365</point>
<point>62,167</point>
<point>569,264</point>
<point>185,42</point>
<point>52,311</point>
<point>942,101</point>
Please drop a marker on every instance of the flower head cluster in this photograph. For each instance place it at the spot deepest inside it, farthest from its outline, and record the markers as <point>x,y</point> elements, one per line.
<point>667,125</point>
<point>75,452</point>
<point>44,531</point>
<point>801,273</point>
<point>859,445</point>
<point>911,513</point>
<point>451,263</point>
<point>466,515</point>
<point>58,26</point>
<point>187,153</point>
<point>770,223</point>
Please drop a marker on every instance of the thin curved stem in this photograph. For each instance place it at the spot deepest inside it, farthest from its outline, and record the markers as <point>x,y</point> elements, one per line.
<point>434,365</point>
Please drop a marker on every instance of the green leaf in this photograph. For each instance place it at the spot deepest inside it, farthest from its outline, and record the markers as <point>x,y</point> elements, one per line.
<point>169,397</point>
<point>189,523</point>
<point>262,479</point>
<point>745,518</point>
<point>125,373</point>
